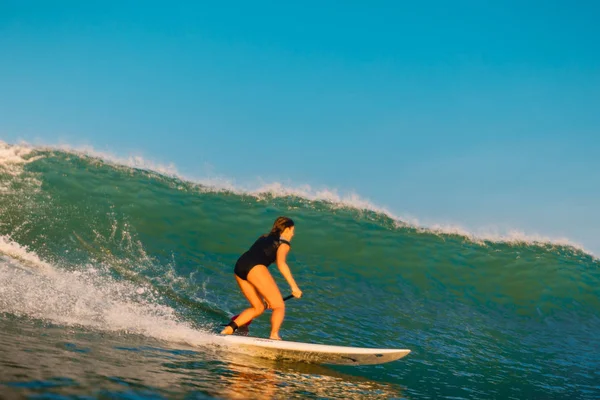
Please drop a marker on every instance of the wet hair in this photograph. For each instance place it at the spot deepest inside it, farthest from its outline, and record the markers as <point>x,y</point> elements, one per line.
<point>280,224</point>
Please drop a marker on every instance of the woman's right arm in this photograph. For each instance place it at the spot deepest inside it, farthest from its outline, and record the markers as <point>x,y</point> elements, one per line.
<point>284,268</point>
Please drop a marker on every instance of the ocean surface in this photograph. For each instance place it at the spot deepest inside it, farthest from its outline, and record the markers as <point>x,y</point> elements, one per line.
<point>113,276</point>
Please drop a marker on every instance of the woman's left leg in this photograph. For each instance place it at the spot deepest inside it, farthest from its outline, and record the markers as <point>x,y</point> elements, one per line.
<point>263,281</point>
<point>248,314</point>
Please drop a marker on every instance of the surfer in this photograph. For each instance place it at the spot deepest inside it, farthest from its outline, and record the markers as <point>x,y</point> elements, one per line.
<point>256,282</point>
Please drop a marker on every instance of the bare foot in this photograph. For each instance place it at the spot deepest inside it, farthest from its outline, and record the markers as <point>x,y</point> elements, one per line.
<point>275,337</point>
<point>227,331</point>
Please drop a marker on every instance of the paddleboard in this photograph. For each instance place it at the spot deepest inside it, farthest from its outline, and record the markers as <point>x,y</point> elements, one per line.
<point>308,352</point>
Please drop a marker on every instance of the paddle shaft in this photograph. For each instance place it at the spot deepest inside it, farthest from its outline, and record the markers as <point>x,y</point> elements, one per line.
<point>286,298</point>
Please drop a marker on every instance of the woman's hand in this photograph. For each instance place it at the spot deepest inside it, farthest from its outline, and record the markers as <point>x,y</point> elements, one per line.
<point>296,292</point>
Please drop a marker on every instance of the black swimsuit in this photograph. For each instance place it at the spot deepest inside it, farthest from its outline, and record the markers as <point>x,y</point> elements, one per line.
<point>262,252</point>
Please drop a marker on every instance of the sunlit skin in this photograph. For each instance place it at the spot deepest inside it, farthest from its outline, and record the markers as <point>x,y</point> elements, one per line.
<point>262,292</point>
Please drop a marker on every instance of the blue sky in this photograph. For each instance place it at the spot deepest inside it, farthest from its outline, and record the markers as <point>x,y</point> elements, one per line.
<point>451,112</point>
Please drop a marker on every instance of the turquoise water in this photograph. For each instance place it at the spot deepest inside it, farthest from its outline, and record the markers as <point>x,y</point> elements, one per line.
<point>111,278</point>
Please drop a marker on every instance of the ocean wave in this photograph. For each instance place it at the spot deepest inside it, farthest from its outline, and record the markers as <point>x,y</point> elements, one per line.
<point>14,157</point>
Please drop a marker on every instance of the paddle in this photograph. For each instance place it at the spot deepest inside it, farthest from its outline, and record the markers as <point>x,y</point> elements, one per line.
<point>286,298</point>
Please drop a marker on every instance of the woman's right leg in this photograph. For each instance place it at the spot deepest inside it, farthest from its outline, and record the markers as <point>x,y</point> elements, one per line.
<point>261,279</point>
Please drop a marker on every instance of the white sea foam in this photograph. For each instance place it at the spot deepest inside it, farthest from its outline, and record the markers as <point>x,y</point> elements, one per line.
<point>510,237</point>
<point>12,156</point>
<point>12,160</point>
<point>15,153</point>
<point>16,251</point>
<point>33,288</point>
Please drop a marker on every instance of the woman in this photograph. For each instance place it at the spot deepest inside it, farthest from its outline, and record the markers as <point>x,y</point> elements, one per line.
<point>256,282</point>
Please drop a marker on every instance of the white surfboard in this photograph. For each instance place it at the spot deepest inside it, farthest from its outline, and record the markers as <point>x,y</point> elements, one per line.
<point>308,352</point>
